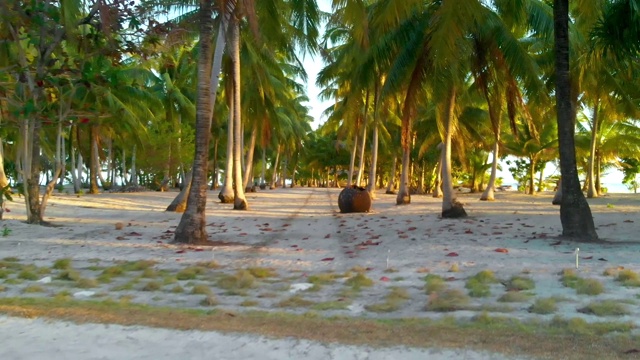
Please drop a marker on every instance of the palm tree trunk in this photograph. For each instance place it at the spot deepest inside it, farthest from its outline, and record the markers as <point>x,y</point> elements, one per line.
<point>451,208</point>
<point>392,177</point>
<point>191,228</point>
<point>575,214</point>
<point>532,175</point>
<point>274,175</point>
<point>437,186</point>
<point>226,192</point>
<point>214,181</point>
<point>93,162</point>
<point>59,166</point>
<point>361,151</point>
<point>592,191</point>
<point>404,195</point>
<point>240,201</point>
<point>249,161</point>
<point>488,194</point>
<point>133,180</point>
<point>4,181</point>
<point>179,203</point>
<point>371,185</point>
<point>263,179</point>
<point>352,162</point>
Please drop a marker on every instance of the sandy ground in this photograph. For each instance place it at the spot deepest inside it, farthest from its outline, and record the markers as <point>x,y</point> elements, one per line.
<point>299,233</point>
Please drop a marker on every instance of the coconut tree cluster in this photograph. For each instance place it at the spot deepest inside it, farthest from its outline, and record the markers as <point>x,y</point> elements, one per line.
<point>426,97</point>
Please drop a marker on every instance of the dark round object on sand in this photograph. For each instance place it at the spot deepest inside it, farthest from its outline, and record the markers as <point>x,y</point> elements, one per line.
<point>354,199</point>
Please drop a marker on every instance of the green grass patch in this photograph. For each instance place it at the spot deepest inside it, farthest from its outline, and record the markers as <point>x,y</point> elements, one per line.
<point>323,278</point>
<point>569,278</point>
<point>209,265</point>
<point>201,289</point>
<point>114,271</point>
<point>628,278</point>
<point>578,326</point>
<point>447,300</point>
<point>177,289</point>
<point>137,265</point>
<point>249,303</point>
<point>519,283</point>
<point>262,272</point>
<point>4,273</point>
<point>514,296</point>
<point>434,284</point>
<point>242,279</point>
<point>544,306</point>
<point>152,286</point>
<point>605,308</point>
<point>28,275</point>
<point>331,305</point>
<point>189,273</point>
<point>86,283</point>
<point>359,281</point>
<point>393,301</point>
<point>589,287</point>
<point>31,289</point>
<point>149,273</point>
<point>295,301</point>
<point>11,259</point>
<point>62,264</point>
<point>69,275</point>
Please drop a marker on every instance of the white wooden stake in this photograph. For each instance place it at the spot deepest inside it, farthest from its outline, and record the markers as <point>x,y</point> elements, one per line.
<point>577,257</point>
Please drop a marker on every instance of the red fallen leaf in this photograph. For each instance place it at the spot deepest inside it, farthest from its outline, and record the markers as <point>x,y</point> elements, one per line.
<point>348,252</point>
<point>267,229</point>
<point>501,250</point>
<point>450,278</point>
<point>384,278</point>
<point>327,236</point>
<point>327,259</point>
<point>121,238</point>
<point>587,257</point>
<point>242,234</point>
<point>198,249</point>
<point>305,238</point>
<point>180,252</point>
<point>168,232</point>
<point>294,246</point>
<point>468,231</point>
<point>133,233</point>
<point>369,269</point>
<point>452,254</point>
<point>411,228</point>
<point>603,259</point>
<point>159,241</point>
<point>361,247</point>
<point>556,243</point>
<point>403,236</point>
<point>7,210</point>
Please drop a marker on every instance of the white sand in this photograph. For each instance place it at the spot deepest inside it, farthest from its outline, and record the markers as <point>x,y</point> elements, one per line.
<point>299,232</point>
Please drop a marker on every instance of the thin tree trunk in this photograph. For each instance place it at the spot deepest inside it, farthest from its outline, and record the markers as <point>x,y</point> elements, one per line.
<point>59,165</point>
<point>226,194</point>
<point>4,181</point>
<point>361,154</point>
<point>192,226</point>
<point>249,161</point>
<point>575,214</point>
<point>352,162</point>
<point>488,194</point>
<point>275,169</point>
<point>541,178</point>
<point>451,208</point>
<point>392,177</point>
<point>93,162</point>
<point>134,172</point>
<point>437,188</point>
<point>532,176</point>
<point>240,201</point>
<point>263,180</point>
<point>125,170</point>
<point>592,191</point>
<point>371,185</point>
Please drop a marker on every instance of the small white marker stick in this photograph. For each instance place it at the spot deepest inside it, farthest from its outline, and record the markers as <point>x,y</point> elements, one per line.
<point>577,257</point>
<point>388,254</point>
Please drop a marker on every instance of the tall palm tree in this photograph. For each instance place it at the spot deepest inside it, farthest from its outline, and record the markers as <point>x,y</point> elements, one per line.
<point>575,213</point>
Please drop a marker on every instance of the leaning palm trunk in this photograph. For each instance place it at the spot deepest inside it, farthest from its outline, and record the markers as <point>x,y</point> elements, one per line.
<point>404,196</point>
<point>93,162</point>
<point>437,186</point>
<point>488,194</point>
<point>3,177</point>
<point>592,191</point>
<point>361,154</point>
<point>451,208</point>
<point>274,175</point>
<point>240,201</point>
<point>249,161</point>
<point>191,228</point>
<point>352,162</point>
<point>134,172</point>
<point>179,203</point>
<point>371,186</point>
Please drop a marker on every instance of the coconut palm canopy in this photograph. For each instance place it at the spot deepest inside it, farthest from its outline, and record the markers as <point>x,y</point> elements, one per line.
<point>426,96</point>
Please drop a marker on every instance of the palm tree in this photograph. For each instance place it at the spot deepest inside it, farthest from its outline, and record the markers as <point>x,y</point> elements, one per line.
<point>575,214</point>
<point>191,228</point>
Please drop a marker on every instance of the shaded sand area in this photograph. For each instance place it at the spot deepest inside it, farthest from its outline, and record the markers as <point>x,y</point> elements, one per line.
<point>293,252</point>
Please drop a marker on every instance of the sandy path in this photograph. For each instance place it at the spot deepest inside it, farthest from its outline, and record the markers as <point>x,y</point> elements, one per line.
<point>41,339</point>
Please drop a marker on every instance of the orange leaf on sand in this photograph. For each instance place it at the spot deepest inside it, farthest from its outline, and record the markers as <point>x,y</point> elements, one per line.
<point>384,278</point>
<point>502,250</point>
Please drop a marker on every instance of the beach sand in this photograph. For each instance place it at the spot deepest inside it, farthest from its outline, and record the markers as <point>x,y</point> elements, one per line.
<point>299,233</point>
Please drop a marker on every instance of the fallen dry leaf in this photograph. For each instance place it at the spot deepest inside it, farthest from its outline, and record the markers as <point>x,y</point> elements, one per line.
<point>452,254</point>
<point>327,259</point>
<point>384,278</point>
<point>501,250</point>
